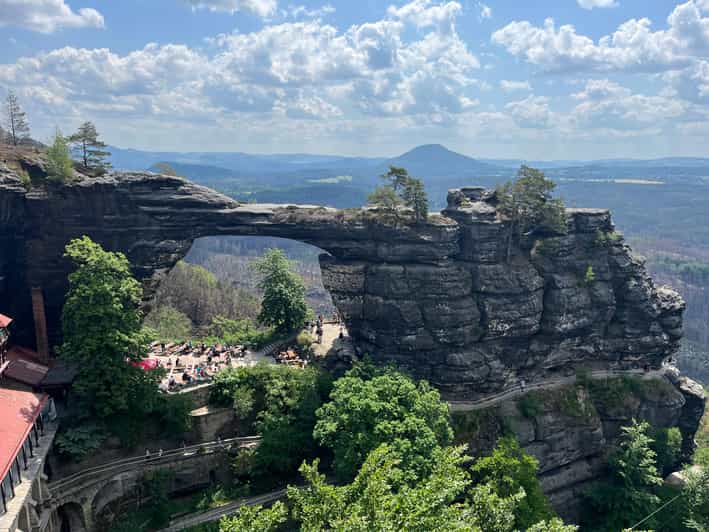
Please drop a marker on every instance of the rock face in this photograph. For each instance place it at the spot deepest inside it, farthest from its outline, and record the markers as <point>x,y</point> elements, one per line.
<point>445,299</point>
<point>570,430</point>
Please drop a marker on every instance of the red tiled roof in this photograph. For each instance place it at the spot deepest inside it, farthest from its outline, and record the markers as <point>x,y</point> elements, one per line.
<point>18,411</point>
<point>23,366</point>
<point>5,321</point>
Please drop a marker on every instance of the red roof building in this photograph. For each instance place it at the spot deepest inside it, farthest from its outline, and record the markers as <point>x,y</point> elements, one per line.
<point>21,415</point>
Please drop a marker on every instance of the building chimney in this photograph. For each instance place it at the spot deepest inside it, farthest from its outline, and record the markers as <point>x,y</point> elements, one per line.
<point>40,324</point>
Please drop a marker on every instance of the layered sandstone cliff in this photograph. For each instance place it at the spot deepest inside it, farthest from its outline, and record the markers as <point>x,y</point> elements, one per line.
<point>444,299</point>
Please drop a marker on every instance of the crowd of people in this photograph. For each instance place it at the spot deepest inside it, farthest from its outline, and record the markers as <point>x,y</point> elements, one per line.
<point>188,363</point>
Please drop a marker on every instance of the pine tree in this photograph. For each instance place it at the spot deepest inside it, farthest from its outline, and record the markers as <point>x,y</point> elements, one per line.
<point>414,196</point>
<point>86,144</point>
<point>15,120</point>
<point>397,178</point>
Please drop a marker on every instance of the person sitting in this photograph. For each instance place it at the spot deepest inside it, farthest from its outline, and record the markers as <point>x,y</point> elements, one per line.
<point>186,377</point>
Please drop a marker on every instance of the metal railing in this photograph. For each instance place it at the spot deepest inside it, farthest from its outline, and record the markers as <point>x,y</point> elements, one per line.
<point>221,511</point>
<point>153,459</point>
<point>518,389</point>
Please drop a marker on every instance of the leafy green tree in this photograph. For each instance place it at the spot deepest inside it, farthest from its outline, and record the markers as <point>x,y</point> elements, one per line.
<point>91,151</point>
<point>667,445</point>
<point>18,130</point>
<point>527,205</point>
<point>630,493</point>
<point>696,495</point>
<point>255,519</point>
<point>510,470</point>
<point>280,402</point>
<point>414,196</point>
<point>236,332</point>
<point>283,306</point>
<point>59,165</point>
<point>376,501</point>
<point>390,408</point>
<point>102,333</point>
<point>169,324</point>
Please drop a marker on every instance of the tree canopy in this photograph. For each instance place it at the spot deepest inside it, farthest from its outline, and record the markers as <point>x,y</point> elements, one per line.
<point>279,403</point>
<point>283,306</point>
<point>528,206</point>
<point>102,332</point>
<point>509,469</point>
<point>400,189</point>
<point>90,150</point>
<point>369,407</point>
<point>443,500</point>
<point>629,494</point>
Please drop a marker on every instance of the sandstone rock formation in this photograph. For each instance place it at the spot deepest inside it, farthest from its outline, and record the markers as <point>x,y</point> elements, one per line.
<point>441,298</point>
<point>570,430</point>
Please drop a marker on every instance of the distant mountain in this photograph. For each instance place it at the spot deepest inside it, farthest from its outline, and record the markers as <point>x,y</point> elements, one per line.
<point>197,172</point>
<point>240,164</point>
<point>434,160</point>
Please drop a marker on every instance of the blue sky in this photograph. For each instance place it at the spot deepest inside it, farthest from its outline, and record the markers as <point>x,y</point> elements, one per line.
<point>553,79</point>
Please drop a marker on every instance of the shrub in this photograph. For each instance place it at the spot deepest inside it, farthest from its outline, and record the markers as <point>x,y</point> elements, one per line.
<point>530,406</point>
<point>78,442</point>
<point>279,402</point>
<point>59,165</point>
<point>590,276</point>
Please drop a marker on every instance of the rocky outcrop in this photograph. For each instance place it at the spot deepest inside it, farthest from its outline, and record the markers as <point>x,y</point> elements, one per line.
<point>447,299</point>
<point>572,430</point>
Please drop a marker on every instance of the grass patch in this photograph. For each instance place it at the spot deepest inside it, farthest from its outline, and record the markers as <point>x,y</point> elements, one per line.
<point>568,400</point>
<point>616,392</point>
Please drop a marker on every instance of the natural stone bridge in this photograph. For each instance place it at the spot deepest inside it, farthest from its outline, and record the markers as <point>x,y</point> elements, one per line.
<point>82,498</point>
<point>442,298</point>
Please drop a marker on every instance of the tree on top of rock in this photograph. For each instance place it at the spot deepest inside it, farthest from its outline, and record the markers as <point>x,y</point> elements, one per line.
<point>90,150</point>
<point>59,166</point>
<point>401,190</point>
<point>528,206</point>
<point>18,130</point>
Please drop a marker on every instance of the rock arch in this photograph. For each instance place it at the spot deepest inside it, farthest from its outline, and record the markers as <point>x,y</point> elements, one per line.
<point>441,298</point>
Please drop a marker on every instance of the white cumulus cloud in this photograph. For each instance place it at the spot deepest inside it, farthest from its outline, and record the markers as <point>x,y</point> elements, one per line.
<point>634,46</point>
<point>590,4</point>
<point>511,86</point>
<point>47,16</point>
<point>262,8</point>
<point>533,112</point>
<point>410,63</point>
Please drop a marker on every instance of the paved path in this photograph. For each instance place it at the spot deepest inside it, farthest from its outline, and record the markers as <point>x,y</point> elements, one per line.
<point>515,391</point>
<point>217,513</point>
